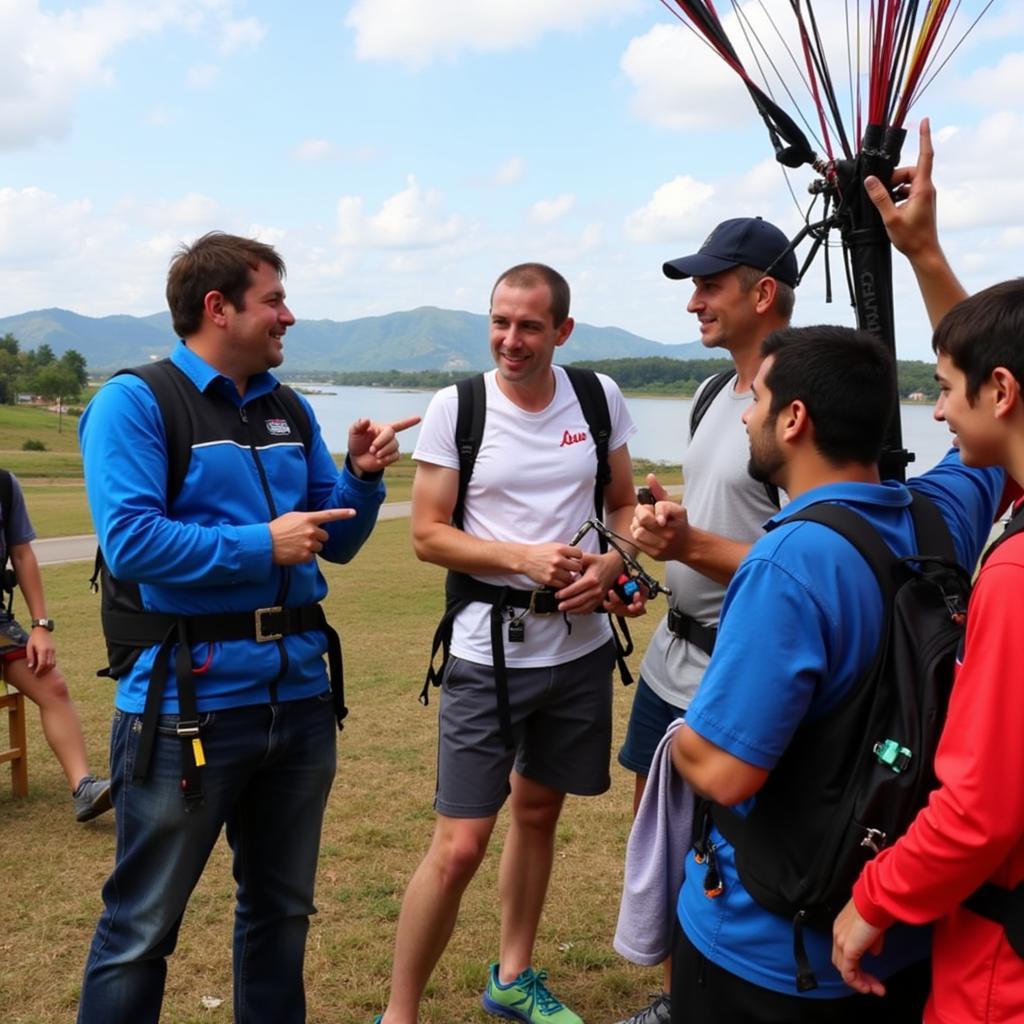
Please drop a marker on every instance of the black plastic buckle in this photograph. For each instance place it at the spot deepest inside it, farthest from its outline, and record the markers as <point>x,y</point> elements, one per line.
<point>543,602</point>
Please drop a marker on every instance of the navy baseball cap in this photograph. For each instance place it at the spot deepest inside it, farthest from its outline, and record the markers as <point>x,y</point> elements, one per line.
<point>747,241</point>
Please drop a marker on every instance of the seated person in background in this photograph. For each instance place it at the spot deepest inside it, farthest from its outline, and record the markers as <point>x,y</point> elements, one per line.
<point>28,662</point>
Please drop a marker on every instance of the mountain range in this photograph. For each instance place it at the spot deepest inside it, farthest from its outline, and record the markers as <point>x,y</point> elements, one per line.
<point>427,338</point>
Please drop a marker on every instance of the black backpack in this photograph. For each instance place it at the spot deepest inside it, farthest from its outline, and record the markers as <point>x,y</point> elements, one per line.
<point>469,431</point>
<point>851,782</point>
<point>8,578</point>
<point>170,388</point>
<point>707,394</point>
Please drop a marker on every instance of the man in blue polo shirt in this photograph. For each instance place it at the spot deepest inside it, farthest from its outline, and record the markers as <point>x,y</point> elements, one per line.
<point>800,623</point>
<point>223,711</point>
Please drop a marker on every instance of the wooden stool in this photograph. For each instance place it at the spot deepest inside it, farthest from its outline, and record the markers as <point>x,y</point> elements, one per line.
<point>17,754</point>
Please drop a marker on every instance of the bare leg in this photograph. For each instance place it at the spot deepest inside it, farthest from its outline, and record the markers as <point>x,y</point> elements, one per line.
<point>61,725</point>
<point>525,871</point>
<point>430,907</point>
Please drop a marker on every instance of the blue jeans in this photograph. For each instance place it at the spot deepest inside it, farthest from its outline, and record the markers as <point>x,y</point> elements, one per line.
<point>269,769</point>
<point>649,717</point>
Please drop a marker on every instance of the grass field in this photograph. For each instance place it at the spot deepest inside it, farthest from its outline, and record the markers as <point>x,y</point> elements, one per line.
<point>377,827</point>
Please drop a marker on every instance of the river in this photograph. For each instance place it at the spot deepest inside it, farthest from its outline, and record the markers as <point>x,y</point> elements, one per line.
<point>661,422</point>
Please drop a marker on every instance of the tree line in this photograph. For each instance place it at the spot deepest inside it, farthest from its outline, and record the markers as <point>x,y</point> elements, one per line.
<point>39,372</point>
<point>655,375</point>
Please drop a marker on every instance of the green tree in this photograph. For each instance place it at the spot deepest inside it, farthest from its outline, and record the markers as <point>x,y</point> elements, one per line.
<point>57,383</point>
<point>74,363</point>
<point>9,343</point>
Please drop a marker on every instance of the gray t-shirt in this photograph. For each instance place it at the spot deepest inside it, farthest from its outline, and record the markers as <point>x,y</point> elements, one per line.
<point>720,496</point>
<point>20,528</point>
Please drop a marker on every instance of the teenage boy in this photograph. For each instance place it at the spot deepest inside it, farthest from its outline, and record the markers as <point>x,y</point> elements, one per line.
<point>961,862</point>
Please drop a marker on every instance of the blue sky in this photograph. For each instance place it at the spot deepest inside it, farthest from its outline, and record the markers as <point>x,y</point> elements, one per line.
<point>402,153</point>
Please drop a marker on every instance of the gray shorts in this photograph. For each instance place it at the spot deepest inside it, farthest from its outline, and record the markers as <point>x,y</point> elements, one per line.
<point>561,722</point>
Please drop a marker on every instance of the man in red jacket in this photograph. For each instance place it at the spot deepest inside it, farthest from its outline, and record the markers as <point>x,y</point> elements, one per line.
<point>961,863</point>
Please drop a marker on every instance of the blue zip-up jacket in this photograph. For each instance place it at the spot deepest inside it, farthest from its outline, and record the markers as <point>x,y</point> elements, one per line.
<point>211,551</point>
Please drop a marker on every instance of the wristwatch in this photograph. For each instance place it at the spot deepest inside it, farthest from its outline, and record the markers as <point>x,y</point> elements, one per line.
<point>45,623</point>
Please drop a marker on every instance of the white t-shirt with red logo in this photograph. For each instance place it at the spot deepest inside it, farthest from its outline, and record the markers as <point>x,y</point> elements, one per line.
<point>533,482</point>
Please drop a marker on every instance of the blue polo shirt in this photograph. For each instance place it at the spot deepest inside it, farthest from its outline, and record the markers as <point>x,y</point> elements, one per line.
<point>800,624</point>
<point>211,550</point>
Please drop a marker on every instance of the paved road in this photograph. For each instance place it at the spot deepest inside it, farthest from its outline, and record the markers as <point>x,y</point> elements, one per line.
<point>82,548</point>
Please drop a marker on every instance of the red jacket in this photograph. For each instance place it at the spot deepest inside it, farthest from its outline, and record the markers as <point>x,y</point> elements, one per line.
<point>972,829</point>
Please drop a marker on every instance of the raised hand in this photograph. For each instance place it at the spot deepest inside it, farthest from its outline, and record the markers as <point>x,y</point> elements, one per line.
<point>374,446</point>
<point>660,530</point>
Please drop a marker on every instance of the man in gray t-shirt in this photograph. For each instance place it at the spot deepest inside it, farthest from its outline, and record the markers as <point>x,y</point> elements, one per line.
<point>743,277</point>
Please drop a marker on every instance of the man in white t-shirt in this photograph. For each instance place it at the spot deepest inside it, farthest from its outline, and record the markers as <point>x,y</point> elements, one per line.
<point>743,281</point>
<point>531,488</point>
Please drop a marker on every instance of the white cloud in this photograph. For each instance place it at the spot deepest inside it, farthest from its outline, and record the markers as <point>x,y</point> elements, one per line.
<point>510,172</point>
<point>245,34</point>
<point>191,211</point>
<point>679,83</point>
<point>51,56</point>
<point>201,76</point>
<point>312,150</point>
<point>672,212</point>
<point>36,226</point>
<point>547,211</point>
<point>412,218</point>
<point>416,33</point>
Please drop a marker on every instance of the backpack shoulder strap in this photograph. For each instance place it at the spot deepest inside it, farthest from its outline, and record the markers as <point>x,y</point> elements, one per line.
<point>469,432</point>
<point>705,396</point>
<point>930,529</point>
<point>859,532</point>
<point>165,380</point>
<point>297,411</point>
<point>712,387</point>
<point>594,403</point>
<point>1013,527</point>
<point>6,504</point>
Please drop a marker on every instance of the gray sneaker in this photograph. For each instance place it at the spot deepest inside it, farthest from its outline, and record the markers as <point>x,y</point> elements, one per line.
<point>91,798</point>
<point>659,1011</point>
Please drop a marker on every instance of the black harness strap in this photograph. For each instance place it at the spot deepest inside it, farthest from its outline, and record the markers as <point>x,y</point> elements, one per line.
<point>461,588</point>
<point>8,579</point>
<point>594,404</point>
<point>164,631</point>
<point>139,629</point>
<point>686,627</point>
<point>1005,907</point>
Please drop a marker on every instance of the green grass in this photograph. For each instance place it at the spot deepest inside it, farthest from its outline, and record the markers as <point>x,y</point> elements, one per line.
<point>377,827</point>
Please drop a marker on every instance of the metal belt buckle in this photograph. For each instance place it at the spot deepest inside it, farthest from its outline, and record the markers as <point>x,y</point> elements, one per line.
<point>543,602</point>
<point>187,728</point>
<point>263,637</point>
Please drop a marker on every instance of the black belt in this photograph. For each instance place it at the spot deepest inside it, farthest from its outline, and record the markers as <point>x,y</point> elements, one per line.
<point>462,589</point>
<point>164,630</point>
<point>688,628</point>
<point>1005,907</point>
<point>263,625</point>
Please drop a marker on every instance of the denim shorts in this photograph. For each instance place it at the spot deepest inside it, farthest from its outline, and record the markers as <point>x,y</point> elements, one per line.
<point>13,639</point>
<point>561,724</point>
<point>648,720</point>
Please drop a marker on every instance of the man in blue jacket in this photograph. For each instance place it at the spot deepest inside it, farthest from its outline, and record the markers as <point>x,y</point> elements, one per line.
<point>822,399</point>
<point>224,713</point>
